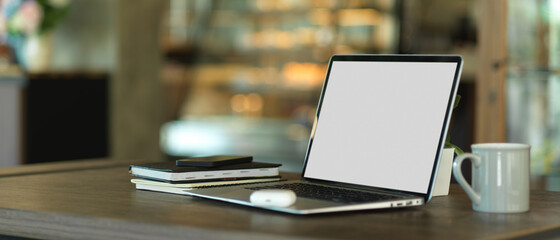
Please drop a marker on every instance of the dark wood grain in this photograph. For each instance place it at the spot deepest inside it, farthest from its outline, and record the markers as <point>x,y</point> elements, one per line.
<point>101,203</point>
<point>62,166</point>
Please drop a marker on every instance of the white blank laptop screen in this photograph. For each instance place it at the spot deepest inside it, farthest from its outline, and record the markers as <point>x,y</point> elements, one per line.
<point>380,123</point>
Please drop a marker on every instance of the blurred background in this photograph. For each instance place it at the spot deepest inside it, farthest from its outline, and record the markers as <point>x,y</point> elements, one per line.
<point>162,80</point>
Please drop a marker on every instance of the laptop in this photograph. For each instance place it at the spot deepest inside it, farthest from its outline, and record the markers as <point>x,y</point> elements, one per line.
<point>377,138</point>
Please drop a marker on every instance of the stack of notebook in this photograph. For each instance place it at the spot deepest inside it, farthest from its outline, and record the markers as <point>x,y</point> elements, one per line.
<point>170,178</point>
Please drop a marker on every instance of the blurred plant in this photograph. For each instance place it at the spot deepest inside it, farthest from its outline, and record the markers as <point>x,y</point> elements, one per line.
<point>29,17</point>
<point>21,20</point>
<point>448,143</point>
<point>542,162</point>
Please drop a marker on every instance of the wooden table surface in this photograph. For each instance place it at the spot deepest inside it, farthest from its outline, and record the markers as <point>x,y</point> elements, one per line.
<point>95,200</point>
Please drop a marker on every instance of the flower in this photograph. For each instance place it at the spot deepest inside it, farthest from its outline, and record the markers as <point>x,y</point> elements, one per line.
<point>28,17</point>
<point>23,20</point>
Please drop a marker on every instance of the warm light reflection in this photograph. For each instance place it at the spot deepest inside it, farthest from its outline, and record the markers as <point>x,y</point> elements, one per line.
<point>358,17</point>
<point>284,40</point>
<point>264,5</point>
<point>255,102</point>
<point>278,5</point>
<point>237,103</point>
<point>320,16</point>
<point>303,74</point>
<point>274,39</point>
<point>250,104</point>
<point>305,36</point>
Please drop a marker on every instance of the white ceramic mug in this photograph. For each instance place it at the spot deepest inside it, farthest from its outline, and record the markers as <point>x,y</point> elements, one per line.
<point>500,177</point>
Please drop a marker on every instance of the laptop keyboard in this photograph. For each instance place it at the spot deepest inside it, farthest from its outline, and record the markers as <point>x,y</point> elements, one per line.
<point>328,193</point>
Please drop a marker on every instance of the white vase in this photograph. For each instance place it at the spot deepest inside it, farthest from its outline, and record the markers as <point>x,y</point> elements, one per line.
<point>38,52</point>
<point>443,177</point>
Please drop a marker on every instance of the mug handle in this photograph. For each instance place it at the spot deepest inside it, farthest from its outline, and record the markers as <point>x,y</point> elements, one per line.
<point>475,197</point>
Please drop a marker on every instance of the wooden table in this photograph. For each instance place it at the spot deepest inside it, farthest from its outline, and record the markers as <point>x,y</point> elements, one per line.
<point>95,200</point>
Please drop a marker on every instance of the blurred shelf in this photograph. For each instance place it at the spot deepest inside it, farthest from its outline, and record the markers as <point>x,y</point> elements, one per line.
<point>247,68</point>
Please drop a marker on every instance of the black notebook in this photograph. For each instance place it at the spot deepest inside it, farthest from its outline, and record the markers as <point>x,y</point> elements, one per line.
<point>168,171</point>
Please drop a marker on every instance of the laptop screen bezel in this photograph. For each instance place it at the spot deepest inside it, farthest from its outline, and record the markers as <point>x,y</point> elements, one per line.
<point>391,58</point>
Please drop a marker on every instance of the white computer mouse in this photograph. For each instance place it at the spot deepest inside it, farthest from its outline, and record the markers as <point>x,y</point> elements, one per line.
<point>273,198</point>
